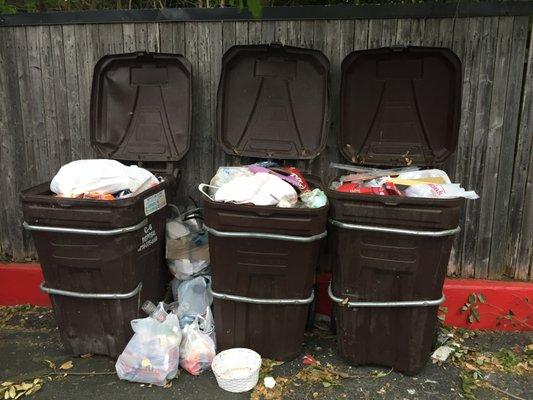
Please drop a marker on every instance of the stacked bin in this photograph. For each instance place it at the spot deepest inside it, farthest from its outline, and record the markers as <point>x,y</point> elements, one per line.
<point>272,103</point>
<point>102,259</point>
<point>399,106</point>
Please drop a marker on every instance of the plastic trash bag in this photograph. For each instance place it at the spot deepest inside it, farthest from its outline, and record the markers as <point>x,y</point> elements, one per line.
<point>261,189</point>
<point>314,198</point>
<point>227,174</point>
<point>446,191</point>
<point>152,354</point>
<point>193,298</point>
<point>100,176</point>
<point>198,348</point>
<point>187,250</point>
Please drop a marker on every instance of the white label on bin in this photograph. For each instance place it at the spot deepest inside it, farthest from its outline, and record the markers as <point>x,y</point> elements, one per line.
<point>148,239</point>
<point>155,202</point>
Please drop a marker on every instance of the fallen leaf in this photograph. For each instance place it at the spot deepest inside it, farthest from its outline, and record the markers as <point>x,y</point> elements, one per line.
<point>86,355</point>
<point>470,367</point>
<point>345,301</point>
<point>326,384</point>
<point>66,365</point>
<point>168,385</point>
<point>50,364</point>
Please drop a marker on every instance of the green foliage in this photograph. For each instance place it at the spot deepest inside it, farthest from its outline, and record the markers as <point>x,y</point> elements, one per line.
<point>6,8</point>
<point>254,6</point>
<point>471,307</point>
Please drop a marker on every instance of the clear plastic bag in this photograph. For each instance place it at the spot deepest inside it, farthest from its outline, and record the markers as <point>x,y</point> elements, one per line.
<point>194,296</point>
<point>152,354</point>
<point>198,348</point>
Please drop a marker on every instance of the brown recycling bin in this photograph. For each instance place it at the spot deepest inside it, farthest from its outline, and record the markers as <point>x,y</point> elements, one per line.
<point>272,103</point>
<point>101,259</point>
<point>390,253</point>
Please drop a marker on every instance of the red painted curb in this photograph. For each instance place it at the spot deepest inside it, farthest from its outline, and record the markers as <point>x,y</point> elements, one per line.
<point>508,305</point>
<point>19,284</point>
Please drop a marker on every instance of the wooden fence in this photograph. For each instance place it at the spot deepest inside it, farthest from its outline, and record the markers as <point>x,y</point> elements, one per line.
<point>46,72</point>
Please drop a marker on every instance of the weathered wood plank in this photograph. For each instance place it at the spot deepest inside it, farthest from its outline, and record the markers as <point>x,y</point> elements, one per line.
<point>388,33</point>
<point>360,37</point>
<point>12,153</point>
<point>84,59</point>
<point>50,111</point>
<point>152,37</point>
<point>521,201</point>
<point>128,34</point>
<point>293,33</point>
<point>457,43</point>
<point>479,141</point>
<point>165,37</point>
<point>375,29</point>
<point>501,226</point>
<point>281,33</point>
<point>493,138</point>
<point>417,31</point>
<point>403,31</point>
<point>254,32</point>
<point>60,94</point>
<point>73,103</point>
<point>307,34</point>
<point>141,37</point>
<point>268,32</point>
<point>241,33</point>
<point>431,32</point>
<point>216,45</point>
<point>178,39</point>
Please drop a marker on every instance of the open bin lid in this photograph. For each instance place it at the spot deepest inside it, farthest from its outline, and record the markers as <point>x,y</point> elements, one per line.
<point>273,102</point>
<point>141,106</point>
<point>400,106</point>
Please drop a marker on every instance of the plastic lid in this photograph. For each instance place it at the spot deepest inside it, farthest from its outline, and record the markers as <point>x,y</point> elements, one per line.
<point>400,106</point>
<point>141,106</point>
<point>272,102</point>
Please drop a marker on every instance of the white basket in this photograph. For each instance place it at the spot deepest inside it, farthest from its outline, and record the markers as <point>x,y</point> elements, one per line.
<point>237,370</point>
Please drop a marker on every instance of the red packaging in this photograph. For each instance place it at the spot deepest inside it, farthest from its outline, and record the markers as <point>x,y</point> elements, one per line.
<point>392,189</point>
<point>353,187</point>
<point>297,174</point>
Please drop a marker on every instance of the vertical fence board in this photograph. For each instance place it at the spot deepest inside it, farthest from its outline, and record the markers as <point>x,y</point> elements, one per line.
<point>479,142</point>
<point>520,205</point>
<point>494,138</point>
<point>12,154</point>
<point>501,226</point>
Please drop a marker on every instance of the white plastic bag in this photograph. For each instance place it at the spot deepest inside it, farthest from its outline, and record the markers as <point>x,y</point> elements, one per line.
<point>100,176</point>
<point>197,348</point>
<point>447,191</point>
<point>193,297</point>
<point>261,189</point>
<point>152,354</point>
<point>227,174</point>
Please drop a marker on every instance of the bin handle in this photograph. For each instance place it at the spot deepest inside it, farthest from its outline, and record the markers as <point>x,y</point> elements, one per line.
<point>409,303</point>
<point>201,187</point>
<point>358,227</point>
<point>101,296</point>
<point>81,231</point>
<point>261,235</point>
<point>254,300</point>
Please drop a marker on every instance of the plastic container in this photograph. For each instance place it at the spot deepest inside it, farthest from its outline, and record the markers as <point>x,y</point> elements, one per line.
<point>102,259</point>
<point>272,103</point>
<point>389,253</point>
<point>237,370</point>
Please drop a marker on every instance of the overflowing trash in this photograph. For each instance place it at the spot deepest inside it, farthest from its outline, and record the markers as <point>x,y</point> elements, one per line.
<point>264,184</point>
<point>101,180</point>
<point>152,354</point>
<point>187,250</point>
<point>409,182</point>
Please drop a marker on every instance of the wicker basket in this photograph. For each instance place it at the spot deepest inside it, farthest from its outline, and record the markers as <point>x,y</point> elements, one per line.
<point>237,370</point>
